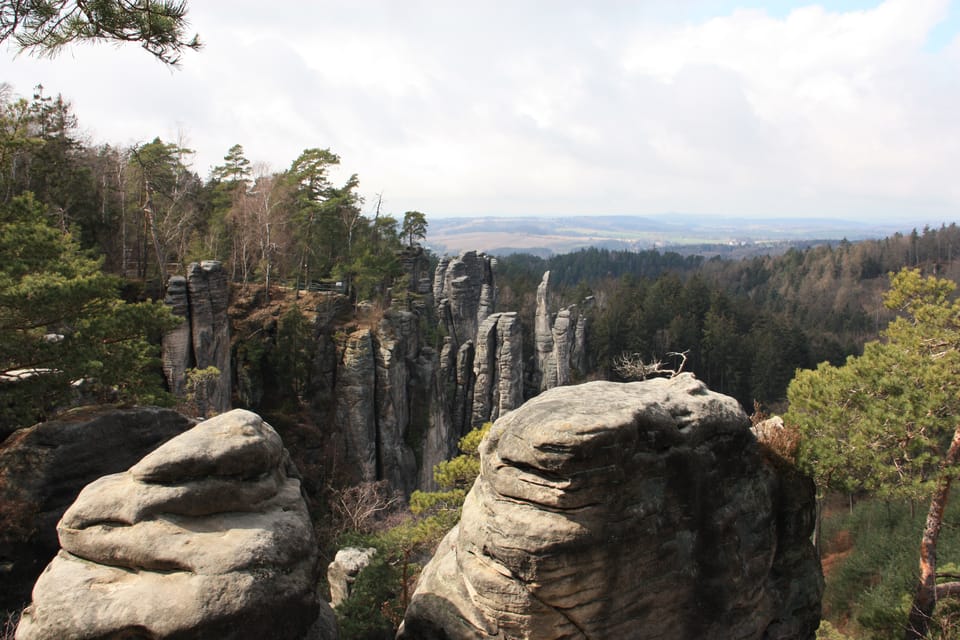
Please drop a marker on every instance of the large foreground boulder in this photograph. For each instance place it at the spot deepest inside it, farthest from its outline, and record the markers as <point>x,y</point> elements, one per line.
<point>44,467</point>
<point>206,537</point>
<point>640,510</point>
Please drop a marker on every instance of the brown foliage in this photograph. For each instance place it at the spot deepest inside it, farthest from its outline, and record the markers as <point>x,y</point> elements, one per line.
<point>365,507</point>
<point>783,441</point>
<point>9,625</point>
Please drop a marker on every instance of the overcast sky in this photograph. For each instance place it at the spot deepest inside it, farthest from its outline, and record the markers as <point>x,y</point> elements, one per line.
<point>840,109</point>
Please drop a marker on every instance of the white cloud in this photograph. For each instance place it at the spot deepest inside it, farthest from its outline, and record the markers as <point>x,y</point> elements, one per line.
<point>526,108</point>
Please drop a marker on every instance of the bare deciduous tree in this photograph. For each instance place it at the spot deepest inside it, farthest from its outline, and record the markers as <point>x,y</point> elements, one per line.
<point>360,507</point>
<point>631,366</point>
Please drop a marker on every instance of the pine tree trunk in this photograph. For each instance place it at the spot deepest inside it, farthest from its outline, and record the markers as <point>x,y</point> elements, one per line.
<point>925,598</point>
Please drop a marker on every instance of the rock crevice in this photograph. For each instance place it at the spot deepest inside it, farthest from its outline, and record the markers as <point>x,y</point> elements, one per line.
<point>203,338</point>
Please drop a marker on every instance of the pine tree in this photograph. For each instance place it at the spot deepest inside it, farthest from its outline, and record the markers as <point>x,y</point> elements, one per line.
<point>62,321</point>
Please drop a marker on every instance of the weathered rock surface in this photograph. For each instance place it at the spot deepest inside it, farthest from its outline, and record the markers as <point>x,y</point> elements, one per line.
<point>543,337</point>
<point>206,537</point>
<point>378,373</point>
<point>640,510</point>
<point>210,326</point>
<point>355,406</point>
<point>343,571</point>
<point>397,346</point>
<point>560,341</point>
<point>463,288</point>
<point>498,368</point>
<point>203,338</point>
<point>466,298</point>
<point>416,264</point>
<point>44,467</point>
<point>177,343</point>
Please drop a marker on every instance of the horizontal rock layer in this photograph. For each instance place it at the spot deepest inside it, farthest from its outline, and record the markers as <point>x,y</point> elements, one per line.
<point>208,536</point>
<point>44,467</point>
<point>641,510</point>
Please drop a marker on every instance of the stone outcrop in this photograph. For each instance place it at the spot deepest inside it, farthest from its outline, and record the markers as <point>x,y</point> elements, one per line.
<point>450,403</point>
<point>355,415</point>
<point>465,294</point>
<point>177,343</point>
<point>543,336</point>
<point>343,571</point>
<point>639,510</point>
<point>416,264</point>
<point>560,341</point>
<point>466,297</point>
<point>498,368</point>
<point>210,325</point>
<point>44,467</point>
<point>378,370</point>
<point>206,537</point>
<point>203,338</point>
<point>397,346</point>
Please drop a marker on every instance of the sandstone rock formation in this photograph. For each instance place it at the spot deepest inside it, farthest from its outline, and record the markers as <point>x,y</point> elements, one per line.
<point>640,510</point>
<point>206,537</point>
<point>465,296</point>
<point>464,292</point>
<point>498,368</point>
<point>343,571</point>
<point>203,339</point>
<point>416,264</point>
<point>177,343</point>
<point>356,382</point>
<point>209,325</point>
<point>373,398</point>
<point>560,341</point>
<point>397,347</point>
<point>543,335</point>
<point>44,467</point>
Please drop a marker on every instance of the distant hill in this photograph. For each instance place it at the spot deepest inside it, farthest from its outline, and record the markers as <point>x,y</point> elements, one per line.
<point>708,235</point>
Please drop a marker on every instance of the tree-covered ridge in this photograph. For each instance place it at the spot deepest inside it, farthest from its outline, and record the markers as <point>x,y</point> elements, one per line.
<point>148,214</point>
<point>746,325</point>
<point>78,222</point>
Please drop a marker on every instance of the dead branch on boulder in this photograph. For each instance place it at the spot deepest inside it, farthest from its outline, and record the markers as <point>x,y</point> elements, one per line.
<point>631,366</point>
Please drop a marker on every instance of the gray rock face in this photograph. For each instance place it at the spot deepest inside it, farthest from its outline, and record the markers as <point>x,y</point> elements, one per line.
<point>209,325</point>
<point>208,536</point>
<point>44,467</point>
<point>498,368</point>
<point>439,440</point>
<point>563,340</point>
<point>543,336</point>
<point>414,262</point>
<point>343,571</point>
<point>439,276</point>
<point>203,339</point>
<point>355,404</point>
<point>640,510</point>
<point>374,399</point>
<point>560,341</point>
<point>466,298</point>
<point>578,350</point>
<point>397,346</point>
<point>177,343</point>
<point>465,286</point>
